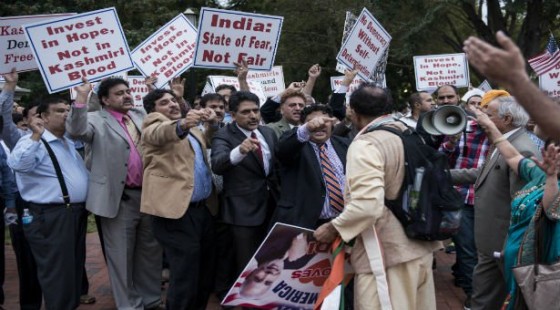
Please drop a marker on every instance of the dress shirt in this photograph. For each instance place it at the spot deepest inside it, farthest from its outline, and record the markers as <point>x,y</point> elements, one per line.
<point>8,183</point>
<point>10,132</point>
<point>35,174</point>
<point>135,168</point>
<point>303,135</point>
<point>236,157</point>
<point>202,178</point>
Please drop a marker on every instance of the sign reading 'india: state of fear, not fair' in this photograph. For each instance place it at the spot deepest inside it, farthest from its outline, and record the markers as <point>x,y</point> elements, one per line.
<point>225,37</point>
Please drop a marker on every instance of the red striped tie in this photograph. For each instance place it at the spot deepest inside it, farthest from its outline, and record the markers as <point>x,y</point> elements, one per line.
<point>336,200</point>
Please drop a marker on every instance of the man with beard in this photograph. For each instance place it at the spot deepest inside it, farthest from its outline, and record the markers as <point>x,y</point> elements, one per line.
<point>291,105</point>
<point>114,157</point>
<point>243,153</point>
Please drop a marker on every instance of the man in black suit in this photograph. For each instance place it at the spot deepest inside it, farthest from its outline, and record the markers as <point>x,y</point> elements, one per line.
<point>305,198</point>
<point>243,153</point>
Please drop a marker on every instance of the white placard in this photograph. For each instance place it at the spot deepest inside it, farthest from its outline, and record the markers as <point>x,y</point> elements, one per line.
<point>485,86</point>
<point>168,52</point>
<point>365,45</point>
<point>208,89</point>
<point>90,45</point>
<point>432,71</point>
<point>272,81</point>
<point>225,37</point>
<point>550,82</point>
<point>254,86</point>
<point>15,51</point>
<point>138,89</point>
<point>336,81</point>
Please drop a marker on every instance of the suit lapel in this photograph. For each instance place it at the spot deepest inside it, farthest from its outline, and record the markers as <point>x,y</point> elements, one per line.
<point>493,159</point>
<point>114,124</point>
<point>239,137</point>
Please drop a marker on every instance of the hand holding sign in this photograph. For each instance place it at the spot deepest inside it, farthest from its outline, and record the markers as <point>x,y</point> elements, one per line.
<point>82,91</point>
<point>177,85</point>
<point>11,80</point>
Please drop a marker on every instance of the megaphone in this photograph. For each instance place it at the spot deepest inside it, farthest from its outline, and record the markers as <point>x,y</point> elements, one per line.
<point>446,120</point>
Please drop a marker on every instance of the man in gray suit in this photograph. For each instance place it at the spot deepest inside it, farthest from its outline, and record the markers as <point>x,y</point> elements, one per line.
<point>114,158</point>
<point>495,185</point>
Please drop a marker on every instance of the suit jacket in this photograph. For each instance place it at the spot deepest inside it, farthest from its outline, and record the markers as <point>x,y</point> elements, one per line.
<point>303,187</point>
<point>280,127</point>
<point>107,152</point>
<point>168,182</point>
<point>495,186</point>
<point>247,189</point>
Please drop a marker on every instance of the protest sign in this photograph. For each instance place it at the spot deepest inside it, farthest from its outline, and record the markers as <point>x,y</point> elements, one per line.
<point>14,48</point>
<point>90,45</point>
<point>365,45</point>
<point>225,37</point>
<point>485,86</point>
<point>168,52</point>
<point>432,71</point>
<point>550,82</point>
<point>138,89</point>
<point>254,86</point>
<point>336,81</point>
<point>349,22</point>
<point>272,81</point>
<point>208,89</point>
<point>296,266</point>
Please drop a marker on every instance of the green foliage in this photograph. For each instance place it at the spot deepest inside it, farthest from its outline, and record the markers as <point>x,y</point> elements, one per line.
<point>312,30</point>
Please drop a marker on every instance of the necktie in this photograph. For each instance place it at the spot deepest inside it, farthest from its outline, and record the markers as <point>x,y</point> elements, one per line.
<point>336,200</point>
<point>258,151</point>
<point>132,132</point>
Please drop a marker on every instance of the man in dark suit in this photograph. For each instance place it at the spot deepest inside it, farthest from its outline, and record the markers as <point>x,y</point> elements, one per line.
<point>243,152</point>
<point>494,186</point>
<point>305,199</point>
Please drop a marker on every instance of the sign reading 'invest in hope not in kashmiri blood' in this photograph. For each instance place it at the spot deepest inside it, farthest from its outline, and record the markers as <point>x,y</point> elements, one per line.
<point>365,45</point>
<point>90,45</point>
<point>433,71</point>
<point>168,52</point>
<point>225,37</point>
<point>14,48</point>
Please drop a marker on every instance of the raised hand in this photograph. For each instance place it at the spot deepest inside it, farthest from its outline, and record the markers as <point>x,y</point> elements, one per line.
<point>37,126</point>
<point>208,115</point>
<point>551,160</point>
<point>314,71</point>
<point>192,119</point>
<point>248,145</point>
<point>177,85</point>
<point>11,80</point>
<point>241,69</point>
<point>349,76</point>
<point>150,82</point>
<point>320,122</point>
<point>296,86</point>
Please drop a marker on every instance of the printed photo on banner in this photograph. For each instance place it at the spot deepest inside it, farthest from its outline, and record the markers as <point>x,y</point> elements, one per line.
<point>225,37</point>
<point>365,45</point>
<point>287,271</point>
<point>550,82</point>
<point>15,51</point>
<point>254,86</point>
<point>90,45</point>
<point>168,52</point>
<point>272,81</point>
<point>432,71</point>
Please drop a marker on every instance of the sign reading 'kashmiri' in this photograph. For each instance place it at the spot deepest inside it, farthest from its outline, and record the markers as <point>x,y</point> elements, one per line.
<point>14,48</point>
<point>365,45</point>
<point>90,45</point>
<point>168,52</point>
<point>295,266</point>
<point>254,86</point>
<point>432,71</point>
<point>550,82</point>
<point>225,37</point>
<point>272,81</point>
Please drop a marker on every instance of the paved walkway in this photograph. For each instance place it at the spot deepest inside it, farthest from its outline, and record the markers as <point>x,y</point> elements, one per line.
<point>448,296</point>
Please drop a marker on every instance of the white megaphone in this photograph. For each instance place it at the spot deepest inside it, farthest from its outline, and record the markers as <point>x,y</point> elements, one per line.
<point>446,120</point>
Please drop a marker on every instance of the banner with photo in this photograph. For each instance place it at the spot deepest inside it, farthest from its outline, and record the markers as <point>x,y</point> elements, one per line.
<point>90,45</point>
<point>225,37</point>
<point>287,271</point>
<point>168,52</point>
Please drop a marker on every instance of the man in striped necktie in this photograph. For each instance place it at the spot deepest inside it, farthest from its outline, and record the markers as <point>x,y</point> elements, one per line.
<point>313,163</point>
